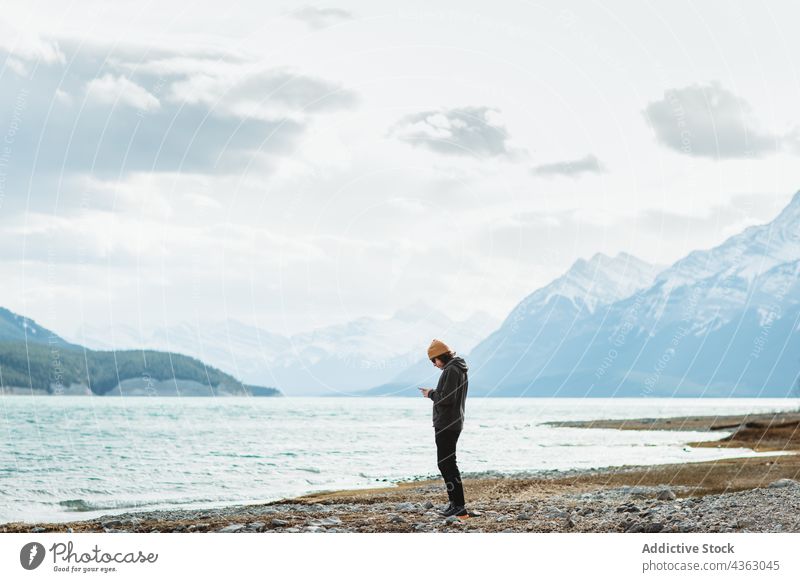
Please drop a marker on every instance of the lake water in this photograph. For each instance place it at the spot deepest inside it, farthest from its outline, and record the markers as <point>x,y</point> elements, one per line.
<point>72,457</point>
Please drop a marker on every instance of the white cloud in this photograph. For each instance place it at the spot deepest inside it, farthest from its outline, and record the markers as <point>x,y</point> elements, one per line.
<point>272,94</point>
<point>63,96</point>
<point>465,131</point>
<point>321,17</point>
<point>110,89</point>
<point>571,168</point>
<point>17,66</point>
<point>28,45</point>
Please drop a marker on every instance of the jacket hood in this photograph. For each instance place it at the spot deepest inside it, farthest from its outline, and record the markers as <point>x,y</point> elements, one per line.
<point>459,362</point>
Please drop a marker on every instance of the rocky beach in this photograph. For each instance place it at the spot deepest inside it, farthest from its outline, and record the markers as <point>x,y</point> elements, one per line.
<point>749,494</point>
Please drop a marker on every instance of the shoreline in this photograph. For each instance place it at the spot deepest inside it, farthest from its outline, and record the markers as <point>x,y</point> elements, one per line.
<point>737,494</point>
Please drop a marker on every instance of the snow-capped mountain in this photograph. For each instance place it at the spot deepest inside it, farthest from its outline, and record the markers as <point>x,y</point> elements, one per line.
<point>542,318</point>
<point>332,360</point>
<point>719,322</point>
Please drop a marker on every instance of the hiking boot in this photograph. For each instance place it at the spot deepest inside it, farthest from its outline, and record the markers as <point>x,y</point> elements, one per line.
<point>458,510</point>
<point>446,510</point>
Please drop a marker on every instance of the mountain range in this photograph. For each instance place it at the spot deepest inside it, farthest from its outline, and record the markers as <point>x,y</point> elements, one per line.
<point>332,360</point>
<point>718,322</point>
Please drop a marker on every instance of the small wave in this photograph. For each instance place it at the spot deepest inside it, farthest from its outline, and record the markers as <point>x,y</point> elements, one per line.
<point>80,505</point>
<point>309,469</point>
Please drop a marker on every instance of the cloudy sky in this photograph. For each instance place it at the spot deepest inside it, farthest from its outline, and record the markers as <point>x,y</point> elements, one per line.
<point>302,165</point>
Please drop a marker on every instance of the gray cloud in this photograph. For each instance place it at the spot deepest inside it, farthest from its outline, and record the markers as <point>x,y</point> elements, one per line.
<point>468,131</point>
<point>110,112</point>
<point>710,121</point>
<point>321,17</point>
<point>572,168</point>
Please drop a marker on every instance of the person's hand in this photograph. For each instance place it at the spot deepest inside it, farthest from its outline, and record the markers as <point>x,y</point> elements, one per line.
<point>425,391</point>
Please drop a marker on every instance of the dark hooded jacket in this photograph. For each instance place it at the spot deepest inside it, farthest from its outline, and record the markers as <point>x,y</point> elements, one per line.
<point>450,395</point>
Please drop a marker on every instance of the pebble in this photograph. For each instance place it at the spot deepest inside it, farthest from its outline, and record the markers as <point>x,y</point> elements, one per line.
<point>279,522</point>
<point>232,528</point>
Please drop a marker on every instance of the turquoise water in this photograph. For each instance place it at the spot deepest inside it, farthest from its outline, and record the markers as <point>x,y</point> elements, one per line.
<point>74,457</point>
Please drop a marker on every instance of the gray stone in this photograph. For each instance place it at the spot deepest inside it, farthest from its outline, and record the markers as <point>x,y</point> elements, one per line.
<point>256,525</point>
<point>333,520</point>
<point>427,505</point>
<point>279,522</point>
<point>635,490</point>
<point>783,483</point>
<point>232,528</point>
<point>523,517</point>
<point>396,519</point>
<point>666,495</point>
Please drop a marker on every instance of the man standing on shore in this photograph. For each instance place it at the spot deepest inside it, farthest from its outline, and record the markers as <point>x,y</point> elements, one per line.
<point>448,398</point>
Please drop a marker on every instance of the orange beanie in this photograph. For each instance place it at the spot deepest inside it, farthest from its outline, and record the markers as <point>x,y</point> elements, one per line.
<point>437,348</point>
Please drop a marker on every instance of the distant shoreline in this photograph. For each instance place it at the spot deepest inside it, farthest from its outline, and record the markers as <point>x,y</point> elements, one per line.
<point>741,494</point>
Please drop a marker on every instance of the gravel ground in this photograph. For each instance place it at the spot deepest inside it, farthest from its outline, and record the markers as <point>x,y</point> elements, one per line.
<point>637,508</point>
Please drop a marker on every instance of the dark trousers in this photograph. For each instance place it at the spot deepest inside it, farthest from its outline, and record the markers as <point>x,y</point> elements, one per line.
<point>446,459</point>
